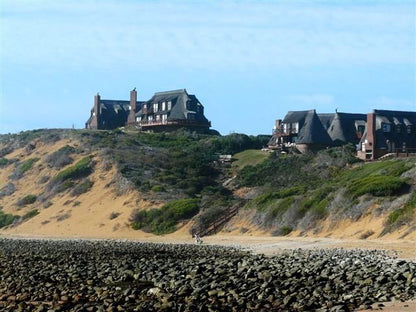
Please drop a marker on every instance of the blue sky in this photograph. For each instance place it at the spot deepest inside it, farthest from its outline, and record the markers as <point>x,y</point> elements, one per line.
<point>248,62</point>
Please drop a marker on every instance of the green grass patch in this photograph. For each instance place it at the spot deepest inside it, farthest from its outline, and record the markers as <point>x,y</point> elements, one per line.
<point>81,169</point>
<point>376,185</point>
<point>30,214</point>
<point>249,157</point>
<point>7,219</point>
<point>164,220</point>
<point>392,168</point>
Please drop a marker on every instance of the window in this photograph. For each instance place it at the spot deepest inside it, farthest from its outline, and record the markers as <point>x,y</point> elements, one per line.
<point>409,129</point>
<point>164,116</point>
<point>163,106</point>
<point>155,107</point>
<point>398,128</point>
<point>285,128</point>
<point>150,118</point>
<point>295,127</point>
<point>169,105</point>
<point>191,116</point>
<point>361,129</point>
<point>386,127</point>
<point>144,106</point>
<point>157,117</point>
<point>138,119</point>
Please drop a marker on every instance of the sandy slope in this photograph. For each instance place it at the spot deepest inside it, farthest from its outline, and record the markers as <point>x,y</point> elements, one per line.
<point>88,216</point>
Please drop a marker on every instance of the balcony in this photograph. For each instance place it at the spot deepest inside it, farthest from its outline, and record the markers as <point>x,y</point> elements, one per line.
<point>174,122</point>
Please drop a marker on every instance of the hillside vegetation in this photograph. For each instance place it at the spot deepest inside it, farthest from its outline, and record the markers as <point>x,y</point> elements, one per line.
<point>62,180</point>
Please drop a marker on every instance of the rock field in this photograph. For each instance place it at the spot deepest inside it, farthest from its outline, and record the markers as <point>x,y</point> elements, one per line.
<point>105,275</point>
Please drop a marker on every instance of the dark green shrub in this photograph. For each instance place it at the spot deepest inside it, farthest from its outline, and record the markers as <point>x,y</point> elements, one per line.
<point>283,231</point>
<point>81,169</point>
<point>27,200</point>
<point>114,215</point>
<point>263,200</point>
<point>376,185</point>
<point>4,162</point>
<point>317,201</point>
<point>64,186</point>
<point>30,214</point>
<point>7,219</point>
<point>402,216</point>
<point>82,187</point>
<point>158,188</point>
<point>164,220</point>
<point>207,217</point>
<point>61,157</point>
<point>22,168</point>
<point>281,207</point>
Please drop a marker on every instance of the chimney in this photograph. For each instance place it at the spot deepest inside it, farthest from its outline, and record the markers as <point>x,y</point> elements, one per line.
<point>133,100</point>
<point>371,130</point>
<point>96,112</point>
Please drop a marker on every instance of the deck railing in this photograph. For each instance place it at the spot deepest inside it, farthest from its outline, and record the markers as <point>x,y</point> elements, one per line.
<point>183,122</point>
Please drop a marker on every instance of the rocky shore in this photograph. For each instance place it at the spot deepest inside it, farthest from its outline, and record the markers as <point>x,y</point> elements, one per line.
<point>88,275</point>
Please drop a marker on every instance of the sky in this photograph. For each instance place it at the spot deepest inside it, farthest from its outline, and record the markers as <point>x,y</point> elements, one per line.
<point>248,62</point>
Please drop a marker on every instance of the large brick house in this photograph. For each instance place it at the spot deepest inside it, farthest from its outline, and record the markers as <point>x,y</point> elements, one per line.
<point>165,111</point>
<point>375,134</point>
<point>388,132</point>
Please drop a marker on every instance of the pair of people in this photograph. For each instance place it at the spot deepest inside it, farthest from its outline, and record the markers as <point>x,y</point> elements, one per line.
<point>198,239</point>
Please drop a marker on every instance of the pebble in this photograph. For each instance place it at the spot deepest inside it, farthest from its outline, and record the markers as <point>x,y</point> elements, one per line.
<point>106,275</point>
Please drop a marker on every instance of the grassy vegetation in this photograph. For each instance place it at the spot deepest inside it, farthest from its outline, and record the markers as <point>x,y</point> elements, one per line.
<point>317,200</point>
<point>402,216</point>
<point>7,219</point>
<point>392,168</point>
<point>3,162</point>
<point>27,165</point>
<point>82,187</point>
<point>377,185</point>
<point>27,200</point>
<point>280,207</point>
<point>21,169</point>
<point>61,158</point>
<point>164,220</point>
<point>249,157</point>
<point>266,198</point>
<point>283,231</point>
<point>81,169</point>
<point>30,214</point>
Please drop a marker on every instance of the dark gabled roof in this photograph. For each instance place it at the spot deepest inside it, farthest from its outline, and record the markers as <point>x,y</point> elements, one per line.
<point>312,131</point>
<point>295,116</point>
<point>114,105</point>
<point>326,119</point>
<point>179,99</point>
<point>394,117</point>
<point>344,126</point>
